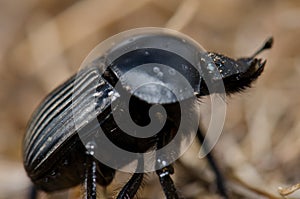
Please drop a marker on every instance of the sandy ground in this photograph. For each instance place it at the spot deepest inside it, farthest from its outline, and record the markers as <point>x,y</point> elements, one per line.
<point>43,42</point>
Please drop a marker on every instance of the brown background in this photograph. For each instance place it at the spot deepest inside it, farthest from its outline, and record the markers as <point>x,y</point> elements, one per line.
<point>43,42</point>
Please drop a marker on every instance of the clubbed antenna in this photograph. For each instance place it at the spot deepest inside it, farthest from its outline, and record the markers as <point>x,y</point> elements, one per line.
<point>267,45</point>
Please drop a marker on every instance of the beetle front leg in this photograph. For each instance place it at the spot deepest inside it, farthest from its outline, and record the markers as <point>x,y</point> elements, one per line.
<point>213,164</point>
<point>167,182</point>
<point>132,186</point>
<point>90,182</point>
<point>165,170</point>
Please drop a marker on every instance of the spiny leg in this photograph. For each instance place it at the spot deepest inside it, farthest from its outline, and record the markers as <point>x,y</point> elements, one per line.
<point>167,182</point>
<point>213,164</point>
<point>90,182</point>
<point>132,186</point>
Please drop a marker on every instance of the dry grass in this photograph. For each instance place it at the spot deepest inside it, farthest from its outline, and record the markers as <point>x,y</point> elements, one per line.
<point>43,42</point>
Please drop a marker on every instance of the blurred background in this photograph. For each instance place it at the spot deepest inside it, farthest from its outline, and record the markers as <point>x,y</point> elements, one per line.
<point>42,43</point>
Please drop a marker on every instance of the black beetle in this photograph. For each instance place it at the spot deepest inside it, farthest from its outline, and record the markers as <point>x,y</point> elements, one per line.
<point>62,138</point>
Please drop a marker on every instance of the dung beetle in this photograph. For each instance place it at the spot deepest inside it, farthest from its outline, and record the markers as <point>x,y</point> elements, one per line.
<point>82,131</point>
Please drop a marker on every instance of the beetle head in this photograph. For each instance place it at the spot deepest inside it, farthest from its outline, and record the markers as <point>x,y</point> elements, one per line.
<point>235,74</point>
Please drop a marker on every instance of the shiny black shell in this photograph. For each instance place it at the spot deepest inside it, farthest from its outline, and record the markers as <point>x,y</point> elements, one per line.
<point>53,153</point>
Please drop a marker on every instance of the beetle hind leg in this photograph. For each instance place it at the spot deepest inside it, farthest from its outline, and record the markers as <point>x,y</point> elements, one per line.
<point>213,164</point>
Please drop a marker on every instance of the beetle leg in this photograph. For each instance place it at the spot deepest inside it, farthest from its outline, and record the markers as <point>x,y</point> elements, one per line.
<point>90,183</point>
<point>213,164</point>
<point>131,187</point>
<point>33,193</point>
<point>165,170</point>
<point>167,182</point>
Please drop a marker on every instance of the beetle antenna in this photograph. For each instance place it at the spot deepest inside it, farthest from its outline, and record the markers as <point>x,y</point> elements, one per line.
<point>267,45</point>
